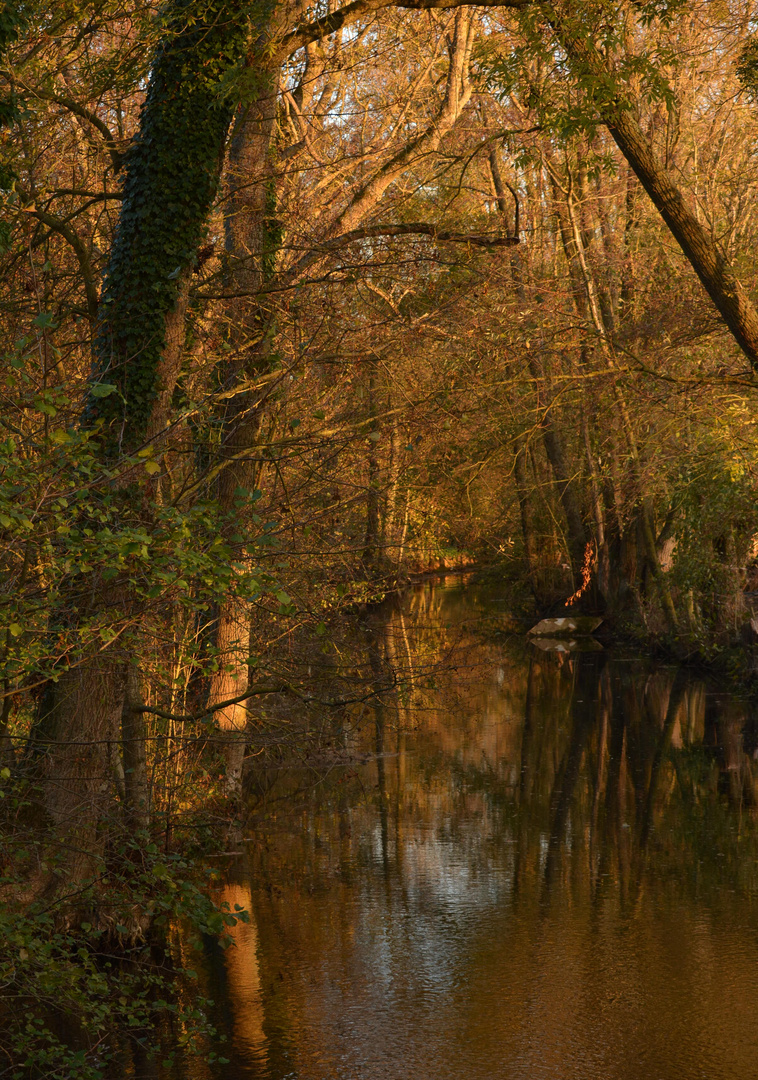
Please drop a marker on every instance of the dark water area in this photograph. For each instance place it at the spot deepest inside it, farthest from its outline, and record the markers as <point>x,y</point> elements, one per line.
<point>528,864</point>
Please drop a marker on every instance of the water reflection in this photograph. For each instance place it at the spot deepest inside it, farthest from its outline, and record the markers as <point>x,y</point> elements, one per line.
<point>539,865</point>
<point>243,984</point>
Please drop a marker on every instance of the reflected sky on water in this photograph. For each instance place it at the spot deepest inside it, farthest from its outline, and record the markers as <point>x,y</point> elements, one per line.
<point>533,865</point>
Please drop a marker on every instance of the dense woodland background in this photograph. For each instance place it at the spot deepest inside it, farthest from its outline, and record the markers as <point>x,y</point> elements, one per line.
<point>298,300</point>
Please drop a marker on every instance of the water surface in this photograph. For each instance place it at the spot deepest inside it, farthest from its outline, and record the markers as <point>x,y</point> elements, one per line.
<point>526,864</point>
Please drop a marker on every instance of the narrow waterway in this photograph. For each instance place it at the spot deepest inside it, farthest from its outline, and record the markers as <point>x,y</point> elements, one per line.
<point>526,863</point>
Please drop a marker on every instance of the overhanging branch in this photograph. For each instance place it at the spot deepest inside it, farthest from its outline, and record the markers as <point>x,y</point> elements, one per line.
<point>258,691</point>
<point>188,718</point>
<point>417,228</point>
<point>329,24</point>
<point>366,232</point>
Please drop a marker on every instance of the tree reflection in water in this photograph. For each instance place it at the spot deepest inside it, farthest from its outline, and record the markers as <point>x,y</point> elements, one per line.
<point>537,865</point>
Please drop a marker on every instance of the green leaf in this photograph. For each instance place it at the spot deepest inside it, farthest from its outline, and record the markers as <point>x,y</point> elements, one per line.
<point>102,389</point>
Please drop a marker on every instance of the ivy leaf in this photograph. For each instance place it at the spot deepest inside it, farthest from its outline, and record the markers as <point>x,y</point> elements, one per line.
<point>102,389</point>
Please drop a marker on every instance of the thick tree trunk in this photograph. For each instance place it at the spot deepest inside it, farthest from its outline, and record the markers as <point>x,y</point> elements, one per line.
<point>171,179</point>
<point>71,760</point>
<point>230,681</point>
<point>710,265</point>
<point>249,262</point>
<point>172,175</point>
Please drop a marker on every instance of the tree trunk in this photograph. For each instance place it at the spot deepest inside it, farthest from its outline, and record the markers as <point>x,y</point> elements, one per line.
<point>710,265</point>
<point>389,530</point>
<point>249,263</point>
<point>134,754</point>
<point>708,262</point>
<point>171,179</point>
<point>527,516</point>
<point>371,551</point>
<point>577,537</point>
<point>230,681</point>
<point>172,175</point>
<point>71,758</point>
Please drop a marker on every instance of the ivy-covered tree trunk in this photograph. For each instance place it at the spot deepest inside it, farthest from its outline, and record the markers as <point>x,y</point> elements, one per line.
<point>172,175</point>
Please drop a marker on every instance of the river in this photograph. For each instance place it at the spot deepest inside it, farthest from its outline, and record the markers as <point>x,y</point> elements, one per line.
<point>521,864</point>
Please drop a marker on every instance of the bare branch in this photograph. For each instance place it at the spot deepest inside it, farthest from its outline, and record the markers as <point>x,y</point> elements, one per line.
<point>78,110</point>
<point>188,718</point>
<point>93,196</point>
<point>82,254</point>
